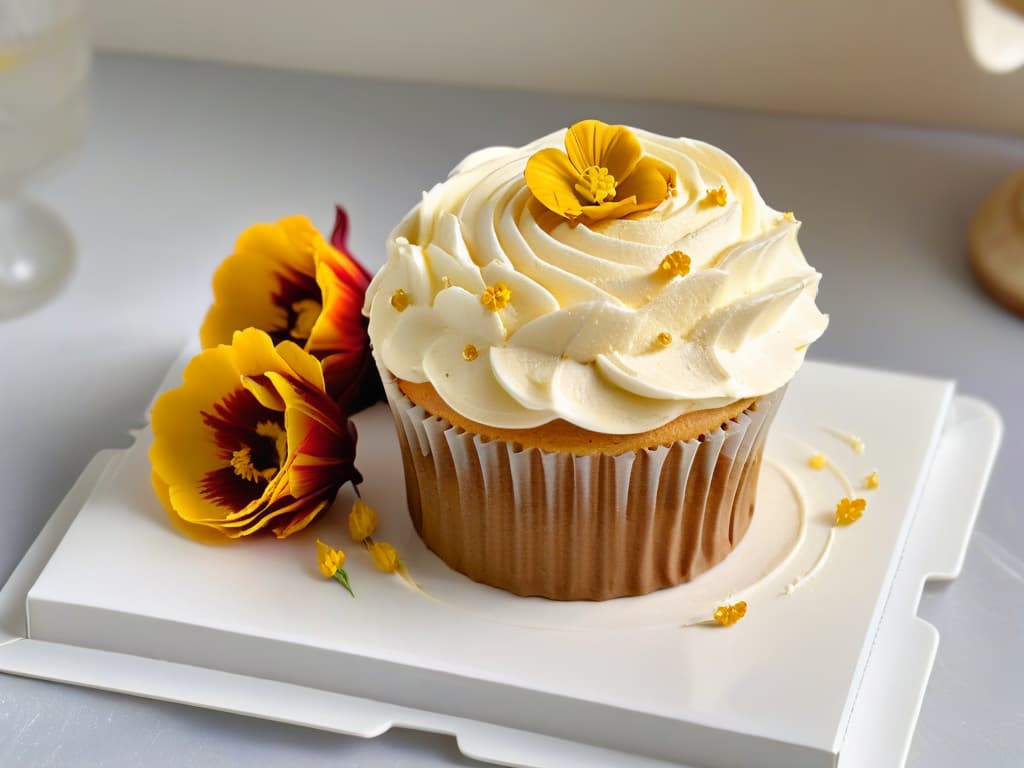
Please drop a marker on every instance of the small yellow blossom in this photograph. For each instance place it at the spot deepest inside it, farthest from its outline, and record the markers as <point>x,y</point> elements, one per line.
<point>727,615</point>
<point>362,521</point>
<point>715,197</point>
<point>602,174</point>
<point>496,297</point>
<point>470,353</point>
<point>676,264</point>
<point>871,481</point>
<point>400,300</point>
<point>384,556</point>
<point>331,561</point>
<point>664,338</point>
<point>849,511</point>
<point>817,461</point>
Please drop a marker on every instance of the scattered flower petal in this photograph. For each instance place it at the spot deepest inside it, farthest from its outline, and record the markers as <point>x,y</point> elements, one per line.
<point>384,556</point>
<point>727,615</point>
<point>362,521</point>
<point>849,511</point>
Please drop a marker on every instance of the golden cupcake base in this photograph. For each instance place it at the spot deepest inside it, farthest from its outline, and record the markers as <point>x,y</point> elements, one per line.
<point>580,526</point>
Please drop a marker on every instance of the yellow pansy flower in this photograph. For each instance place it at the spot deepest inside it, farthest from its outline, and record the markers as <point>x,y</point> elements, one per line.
<point>250,441</point>
<point>603,174</point>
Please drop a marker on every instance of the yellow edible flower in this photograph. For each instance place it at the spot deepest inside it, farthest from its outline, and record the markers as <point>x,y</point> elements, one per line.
<point>676,264</point>
<point>715,197</point>
<point>727,615</point>
<point>331,561</point>
<point>250,441</point>
<point>362,521</point>
<point>385,557</point>
<point>603,174</point>
<point>849,511</point>
<point>496,296</point>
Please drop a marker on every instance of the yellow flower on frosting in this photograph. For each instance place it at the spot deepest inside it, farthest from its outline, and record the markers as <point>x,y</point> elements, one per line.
<point>871,481</point>
<point>362,521</point>
<point>496,297</point>
<point>603,174</point>
<point>848,511</point>
<point>676,264</point>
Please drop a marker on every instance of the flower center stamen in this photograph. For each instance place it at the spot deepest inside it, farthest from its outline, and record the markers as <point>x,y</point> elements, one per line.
<point>274,431</point>
<point>241,462</point>
<point>307,311</point>
<point>596,185</point>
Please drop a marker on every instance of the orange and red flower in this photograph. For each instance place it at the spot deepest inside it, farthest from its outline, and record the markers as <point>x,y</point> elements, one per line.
<point>285,279</point>
<point>250,441</point>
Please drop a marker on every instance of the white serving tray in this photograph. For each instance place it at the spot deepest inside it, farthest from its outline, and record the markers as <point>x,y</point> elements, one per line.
<point>110,596</point>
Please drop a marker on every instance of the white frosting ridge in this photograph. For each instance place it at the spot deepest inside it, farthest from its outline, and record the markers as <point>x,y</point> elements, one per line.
<point>578,339</point>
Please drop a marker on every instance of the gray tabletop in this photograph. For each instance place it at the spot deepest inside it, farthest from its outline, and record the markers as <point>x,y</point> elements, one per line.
<point>181,157</point>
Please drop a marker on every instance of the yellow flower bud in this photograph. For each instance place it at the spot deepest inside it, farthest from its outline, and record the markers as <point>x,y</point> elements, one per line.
<point>384,556</point>
<point>362,521</point>
<point>331,560</point>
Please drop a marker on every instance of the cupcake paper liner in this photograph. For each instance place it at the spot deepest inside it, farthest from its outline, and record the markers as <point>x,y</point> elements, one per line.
<point>571,527</point>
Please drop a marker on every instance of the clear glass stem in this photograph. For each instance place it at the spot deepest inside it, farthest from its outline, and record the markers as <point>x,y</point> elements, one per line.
<point>36,255</point>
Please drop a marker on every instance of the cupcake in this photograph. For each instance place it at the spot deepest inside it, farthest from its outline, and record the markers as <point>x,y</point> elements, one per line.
<point>583,342</point>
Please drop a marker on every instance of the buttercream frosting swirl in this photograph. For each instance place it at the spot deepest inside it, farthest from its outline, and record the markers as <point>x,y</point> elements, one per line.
<point>594,332</point>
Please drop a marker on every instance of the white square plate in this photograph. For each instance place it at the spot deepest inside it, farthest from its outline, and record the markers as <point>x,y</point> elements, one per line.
<point>833,672</point>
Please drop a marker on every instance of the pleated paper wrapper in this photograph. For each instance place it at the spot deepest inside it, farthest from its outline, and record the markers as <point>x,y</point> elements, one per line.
<point>571,527</point>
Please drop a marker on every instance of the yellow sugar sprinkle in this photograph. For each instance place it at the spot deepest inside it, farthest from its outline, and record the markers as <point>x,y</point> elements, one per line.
<point>871,481</point>
<point>817,461</point>
<point>470,353</point>
<point>664,338</point>
<point>676,264</point>
<point>400,300</point>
